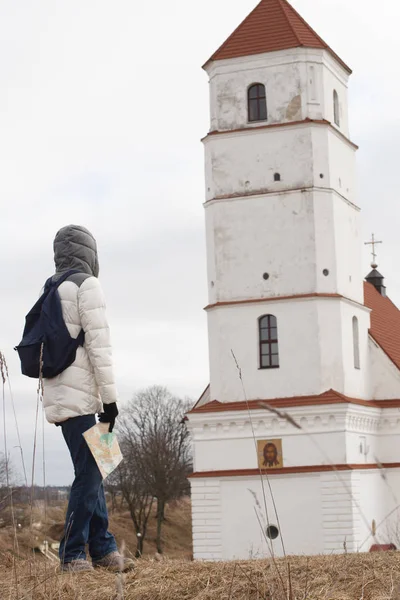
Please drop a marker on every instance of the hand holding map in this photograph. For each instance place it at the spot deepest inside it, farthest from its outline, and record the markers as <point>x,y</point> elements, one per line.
<point>104,447</point>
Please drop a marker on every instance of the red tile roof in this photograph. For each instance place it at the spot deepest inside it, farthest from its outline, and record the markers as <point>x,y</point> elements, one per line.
<point>272,25</point>
<point>385,322</point>
<point>328,397</point>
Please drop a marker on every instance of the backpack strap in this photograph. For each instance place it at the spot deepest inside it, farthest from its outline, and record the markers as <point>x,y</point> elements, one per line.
<point>56,284</point>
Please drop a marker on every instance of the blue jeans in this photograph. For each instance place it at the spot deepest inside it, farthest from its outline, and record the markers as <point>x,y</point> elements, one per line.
<point>87,518</point>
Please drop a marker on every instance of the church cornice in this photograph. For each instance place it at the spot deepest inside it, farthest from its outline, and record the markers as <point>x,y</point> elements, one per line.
<point>294,470</point>
<point>299,297</point>
<point>261,128</point>
<point>282,192</point>
<point>220,407</point>
<point>328,398</point>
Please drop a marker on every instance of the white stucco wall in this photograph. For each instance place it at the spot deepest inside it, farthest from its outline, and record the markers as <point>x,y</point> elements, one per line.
<point>378,502</point>
<point>318,513</point>
<point>301,523</point>
<point>315,513</point>
<point>389,529</point>
<point>336,507</point>
<point>333,79</point>
<point>299,450</point>
<point>321,325</point>
<point>292,236</point>
<point>356,381</point>
<point>299,84</point>
<point>341,171</point>
<point>244,162</point>
<point>337,243</point>
<point>248,237</point>
<point>235,328</point>
<point>385,376</point>
<point>329,434</point>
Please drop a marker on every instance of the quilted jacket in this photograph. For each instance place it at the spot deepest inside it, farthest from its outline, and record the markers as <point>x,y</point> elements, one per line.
<point>89,382</point>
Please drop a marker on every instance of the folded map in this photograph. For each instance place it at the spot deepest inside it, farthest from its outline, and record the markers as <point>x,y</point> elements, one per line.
<point>104,447</point>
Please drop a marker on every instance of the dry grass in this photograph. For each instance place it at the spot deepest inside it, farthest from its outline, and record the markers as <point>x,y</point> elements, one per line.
<point>177,530</point>
<point>344,577</point>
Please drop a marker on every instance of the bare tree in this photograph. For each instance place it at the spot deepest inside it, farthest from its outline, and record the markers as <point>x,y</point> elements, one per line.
<point>128,479</point>
<point>153,427</point>
<point>112,487</point>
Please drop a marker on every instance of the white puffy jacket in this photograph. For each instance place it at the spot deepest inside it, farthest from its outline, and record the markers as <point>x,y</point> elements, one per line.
<point>89,382</point>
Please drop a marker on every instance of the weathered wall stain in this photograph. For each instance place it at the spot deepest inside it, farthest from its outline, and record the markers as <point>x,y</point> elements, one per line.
<point>293,111</point>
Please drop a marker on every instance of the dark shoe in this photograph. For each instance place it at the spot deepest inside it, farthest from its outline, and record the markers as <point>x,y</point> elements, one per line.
<point>114,562</point>
<point>76,566</point>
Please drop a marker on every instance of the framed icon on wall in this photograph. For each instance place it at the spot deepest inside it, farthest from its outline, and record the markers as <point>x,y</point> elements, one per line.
<point>270,454</point>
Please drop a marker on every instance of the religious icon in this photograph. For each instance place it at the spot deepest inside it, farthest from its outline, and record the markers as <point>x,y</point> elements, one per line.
<point>270,454</point>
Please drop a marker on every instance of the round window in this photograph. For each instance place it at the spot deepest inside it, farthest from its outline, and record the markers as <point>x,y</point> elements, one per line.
<point>272,532</point>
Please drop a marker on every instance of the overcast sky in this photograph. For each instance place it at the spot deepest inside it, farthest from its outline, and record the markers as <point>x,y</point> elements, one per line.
<point>102,107</point>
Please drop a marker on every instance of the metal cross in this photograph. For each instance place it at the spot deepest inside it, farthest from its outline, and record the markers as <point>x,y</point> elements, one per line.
<point>373,243</point>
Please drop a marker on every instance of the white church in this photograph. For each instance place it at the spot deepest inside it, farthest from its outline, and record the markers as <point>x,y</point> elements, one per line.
<point>292,323</point>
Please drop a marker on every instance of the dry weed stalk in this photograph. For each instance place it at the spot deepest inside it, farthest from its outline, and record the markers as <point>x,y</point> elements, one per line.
<point>231,586</point>
<point>3,371</point>
<point>119,583</point>
<point>271,548</point>
<point>10,391</point>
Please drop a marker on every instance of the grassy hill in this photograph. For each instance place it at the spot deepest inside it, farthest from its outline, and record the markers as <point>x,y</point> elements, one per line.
<point>174,576</point>
<point>49,524</point>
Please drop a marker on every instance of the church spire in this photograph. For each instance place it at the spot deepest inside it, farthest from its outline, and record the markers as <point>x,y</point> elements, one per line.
<point>374,277</point>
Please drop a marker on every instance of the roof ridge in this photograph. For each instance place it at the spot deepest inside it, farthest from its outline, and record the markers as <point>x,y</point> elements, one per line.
<point>298,15</point>
<point>283,4</point>
<point>233,33</point>
<point>385,323</point>
<point>388,298</point>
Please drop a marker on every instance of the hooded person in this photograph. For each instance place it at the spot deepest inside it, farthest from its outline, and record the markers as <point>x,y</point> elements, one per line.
<point>72,399</point>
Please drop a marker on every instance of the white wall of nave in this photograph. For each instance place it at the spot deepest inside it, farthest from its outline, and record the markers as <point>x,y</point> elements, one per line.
<point>329,434</point>
<point>299,507</point>
<point>319,513</point>
<point>384,375</point>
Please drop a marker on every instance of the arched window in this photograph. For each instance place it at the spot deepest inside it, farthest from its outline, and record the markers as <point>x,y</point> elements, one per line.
<point>277,176</point>
<point>257,102</point>
<point>336,114</point>
<point>356,344</point>
<point>268,341</point>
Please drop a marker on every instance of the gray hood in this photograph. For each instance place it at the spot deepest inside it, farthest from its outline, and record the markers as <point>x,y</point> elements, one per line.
<point>76,248</point>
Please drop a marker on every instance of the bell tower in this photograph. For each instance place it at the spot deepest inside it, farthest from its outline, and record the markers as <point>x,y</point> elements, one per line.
<point>286,296</point>
<point>282,224</point>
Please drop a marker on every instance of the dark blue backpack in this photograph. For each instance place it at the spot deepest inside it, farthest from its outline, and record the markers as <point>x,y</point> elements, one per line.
<point>44,325</point>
